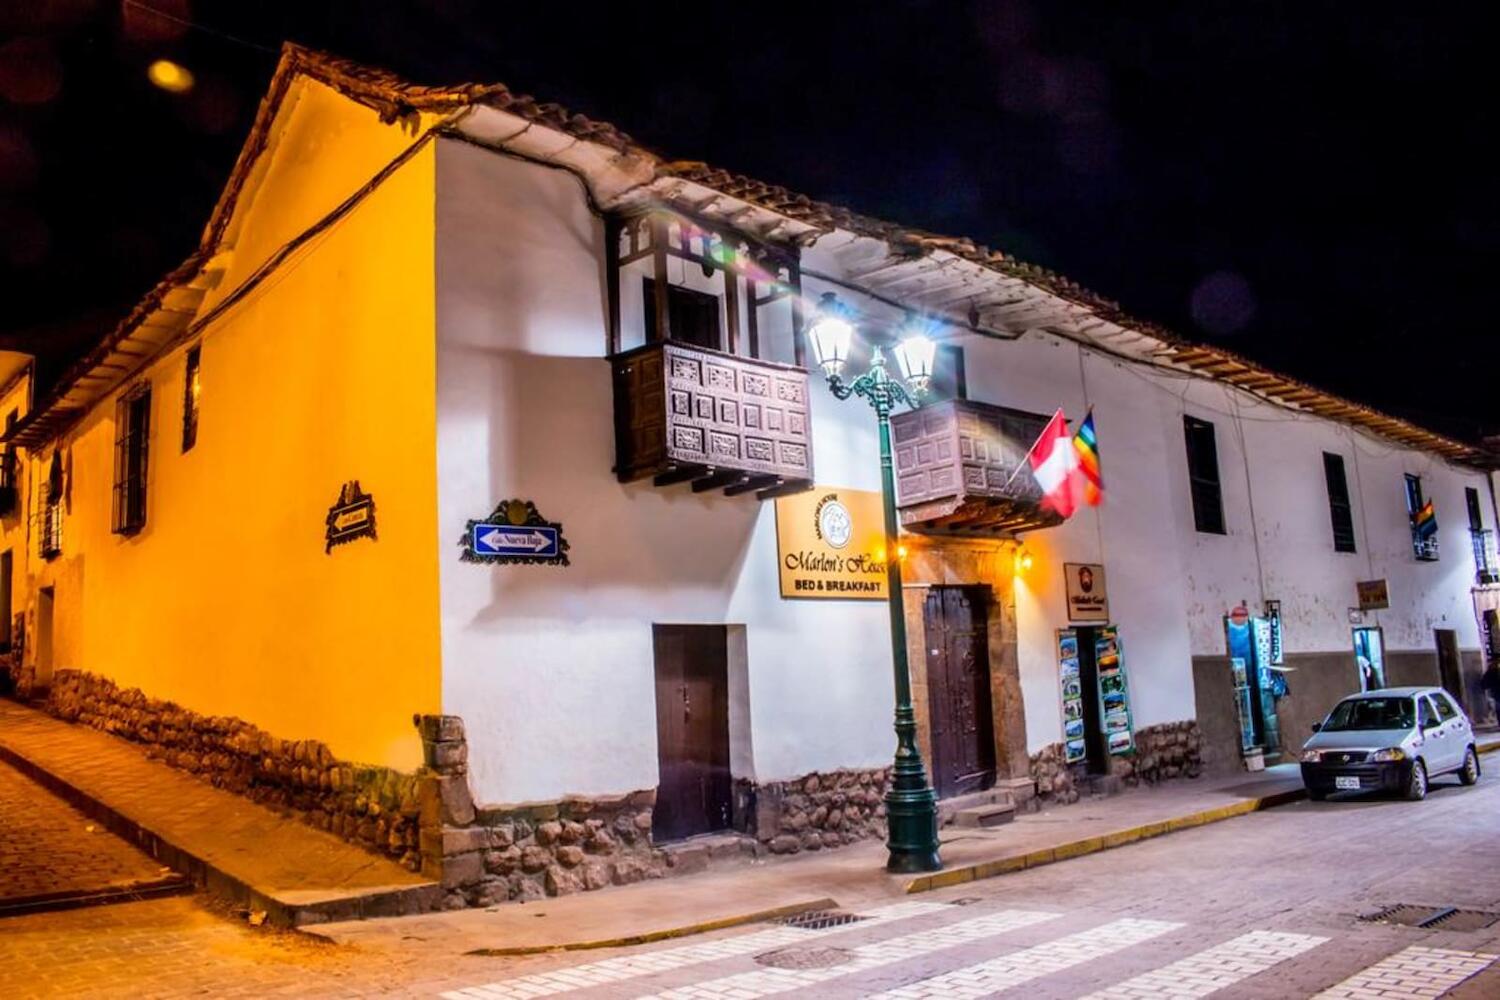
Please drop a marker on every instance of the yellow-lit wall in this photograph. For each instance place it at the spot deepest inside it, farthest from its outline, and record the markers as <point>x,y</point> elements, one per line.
<point>226,602</point>
<point>15,376</point>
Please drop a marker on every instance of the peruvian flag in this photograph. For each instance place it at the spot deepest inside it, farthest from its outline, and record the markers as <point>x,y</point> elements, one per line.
<point>1054,463</point>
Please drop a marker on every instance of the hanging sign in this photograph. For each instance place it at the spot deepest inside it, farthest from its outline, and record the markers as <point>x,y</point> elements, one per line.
<point>351,516</point>
<point>831,544</point>
<point>1373,595</point>
<point>515,532</point>
<point>1072,695</point>
<point>1273,617</point>
<point>1087,601</point>
<point>1114,696</point>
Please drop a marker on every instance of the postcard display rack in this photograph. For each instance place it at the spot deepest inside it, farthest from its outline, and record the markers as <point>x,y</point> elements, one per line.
<point>1113,693</point>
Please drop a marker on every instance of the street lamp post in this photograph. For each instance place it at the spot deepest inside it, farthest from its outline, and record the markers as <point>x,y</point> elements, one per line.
<point>910,803</point>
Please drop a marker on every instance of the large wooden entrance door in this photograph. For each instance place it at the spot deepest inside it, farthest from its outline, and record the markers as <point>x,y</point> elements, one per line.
<point>692,730</point>
<point>958,686</point>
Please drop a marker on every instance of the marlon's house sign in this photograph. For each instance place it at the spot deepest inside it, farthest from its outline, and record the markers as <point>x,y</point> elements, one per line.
<point>515,532</point>
<point>351,516</point>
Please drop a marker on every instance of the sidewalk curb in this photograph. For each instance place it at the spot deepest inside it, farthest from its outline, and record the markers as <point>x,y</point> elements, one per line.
<point>1103,842</point>
<point>279,912</point>
<point>630,940</point>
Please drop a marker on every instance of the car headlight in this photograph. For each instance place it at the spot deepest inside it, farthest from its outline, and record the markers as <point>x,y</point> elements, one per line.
<point>1311,756</point>
<point>1394,753</point>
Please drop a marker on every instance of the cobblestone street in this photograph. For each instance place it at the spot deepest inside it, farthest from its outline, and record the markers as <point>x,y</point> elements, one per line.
<point>48,848</point>
<point>1260,907</point>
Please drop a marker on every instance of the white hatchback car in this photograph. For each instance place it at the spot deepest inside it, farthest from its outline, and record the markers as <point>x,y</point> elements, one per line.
<point>1392,739</point>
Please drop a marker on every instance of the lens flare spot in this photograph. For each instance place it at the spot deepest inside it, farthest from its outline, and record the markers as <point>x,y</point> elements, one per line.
<point>170,76</point>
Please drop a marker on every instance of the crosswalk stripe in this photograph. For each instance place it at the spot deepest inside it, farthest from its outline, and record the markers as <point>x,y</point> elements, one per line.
<point>612,970</point>
<point>769,981</point>
<point>1415,973</point>
<point>1032,963</point>
<point>1212,970</point>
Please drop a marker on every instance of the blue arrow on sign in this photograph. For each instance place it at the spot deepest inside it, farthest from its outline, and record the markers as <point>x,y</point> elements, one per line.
<point>539,541</point>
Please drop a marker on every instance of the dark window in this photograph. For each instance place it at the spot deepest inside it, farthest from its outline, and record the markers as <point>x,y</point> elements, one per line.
<point>132,425</point>
<point>1338,502</point>
<point>10,485</point>
<point>49,538</point>
<point>1203,476</point>
<point>692,317</point>
<point>1424,539</point>
<point>1445,709</point>
<point>192,387</point>
<point>1486,558</point>
<point>948,378</point>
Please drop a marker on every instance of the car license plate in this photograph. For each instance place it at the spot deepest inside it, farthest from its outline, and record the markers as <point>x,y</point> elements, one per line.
<point>1345,783</point>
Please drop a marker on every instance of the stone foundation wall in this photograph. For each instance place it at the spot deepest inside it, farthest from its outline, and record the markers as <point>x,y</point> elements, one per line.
<point>493,854</point>
<point>374,807</point>
<point>815,811</point>
<point>1167,750</point>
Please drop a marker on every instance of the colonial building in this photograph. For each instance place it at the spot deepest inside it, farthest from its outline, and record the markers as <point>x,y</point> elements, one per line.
<point>470,410</point>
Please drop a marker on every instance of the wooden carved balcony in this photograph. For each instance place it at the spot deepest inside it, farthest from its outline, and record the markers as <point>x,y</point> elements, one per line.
<point>690,414</point>
<point>956,470</point>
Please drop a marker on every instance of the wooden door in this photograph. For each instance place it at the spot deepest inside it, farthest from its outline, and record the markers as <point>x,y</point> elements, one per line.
<point>958,686</point>
<point>692,731</point>
<point>1449,670</point>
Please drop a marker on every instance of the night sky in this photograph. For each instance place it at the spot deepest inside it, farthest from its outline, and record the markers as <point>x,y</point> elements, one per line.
<point>1304,183</point>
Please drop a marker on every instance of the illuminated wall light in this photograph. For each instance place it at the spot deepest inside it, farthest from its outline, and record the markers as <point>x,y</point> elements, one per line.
<point>169,76</point>
<point>901,552</point>
<point>1022,560</point>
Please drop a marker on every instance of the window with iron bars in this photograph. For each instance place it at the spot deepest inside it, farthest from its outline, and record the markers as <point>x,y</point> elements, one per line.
<point>132,426</point>
<point>49,512</point>
<point>1424,541</point>
<point>1486,560</point>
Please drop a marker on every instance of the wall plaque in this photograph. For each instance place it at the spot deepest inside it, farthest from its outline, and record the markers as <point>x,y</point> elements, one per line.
<point>830,543</point>
<point>1087,599</point>
<point>515,532</point>
<point>351,516</point>
<point>1373,595</point>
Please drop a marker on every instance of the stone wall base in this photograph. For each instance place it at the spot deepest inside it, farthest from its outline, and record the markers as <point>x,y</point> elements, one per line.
<point>827,809</point>
<point>1164,751</point>
<point>376,808</point>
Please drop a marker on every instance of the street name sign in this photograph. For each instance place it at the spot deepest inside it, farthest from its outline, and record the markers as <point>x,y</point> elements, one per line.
<point>536,541</point>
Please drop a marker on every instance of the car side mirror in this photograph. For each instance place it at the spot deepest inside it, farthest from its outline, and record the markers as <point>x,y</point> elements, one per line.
<point>1317,727</point>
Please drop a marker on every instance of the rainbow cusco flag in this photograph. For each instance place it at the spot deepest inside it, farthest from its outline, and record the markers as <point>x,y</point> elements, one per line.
<point>1086,443</point>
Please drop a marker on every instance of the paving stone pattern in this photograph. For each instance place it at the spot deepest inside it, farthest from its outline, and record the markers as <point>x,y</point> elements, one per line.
<point>47,846</point>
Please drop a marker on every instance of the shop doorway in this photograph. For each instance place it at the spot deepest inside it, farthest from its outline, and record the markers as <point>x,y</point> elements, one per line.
<point>1249,644</point>
<point>44,638</point>
<point>1095,750</point>
<point>1450,669</point>
<point>1369,658</point>
<point>692,731</point>
<point>960,708</point>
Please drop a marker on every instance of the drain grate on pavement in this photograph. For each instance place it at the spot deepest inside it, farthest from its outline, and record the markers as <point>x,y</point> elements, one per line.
<point>819,920</point>
<point>803,957</point>
<point>1436,918</point>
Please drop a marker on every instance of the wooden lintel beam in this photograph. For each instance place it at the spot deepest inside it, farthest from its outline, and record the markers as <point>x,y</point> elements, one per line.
<point>749,484</point>
<point>716,478</point>
<point>678,474</point>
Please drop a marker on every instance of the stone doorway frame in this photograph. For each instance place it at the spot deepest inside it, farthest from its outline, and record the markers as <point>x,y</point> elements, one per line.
<point>987,564</point>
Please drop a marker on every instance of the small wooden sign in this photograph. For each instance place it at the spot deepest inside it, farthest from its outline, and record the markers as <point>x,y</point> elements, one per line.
<point>1088,600</point>
<point>351,516</point>
<point>1372,595</point>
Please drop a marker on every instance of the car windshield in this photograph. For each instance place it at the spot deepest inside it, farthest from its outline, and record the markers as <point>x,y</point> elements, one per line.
<point>1372,713</point>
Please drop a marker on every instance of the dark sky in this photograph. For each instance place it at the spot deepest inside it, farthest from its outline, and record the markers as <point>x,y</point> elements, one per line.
<point>1306,183</point>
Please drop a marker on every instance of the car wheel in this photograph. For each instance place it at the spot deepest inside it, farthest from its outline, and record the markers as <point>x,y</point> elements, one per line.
<point>1470,773</point>
<point>1416,785</point>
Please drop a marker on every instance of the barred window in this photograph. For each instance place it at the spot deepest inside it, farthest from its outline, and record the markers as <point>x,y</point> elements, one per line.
<point>132,426</point>
<point>1203,476</point>
<point>192,387</point>
<point>1339,507</point>
<point>49,531</point>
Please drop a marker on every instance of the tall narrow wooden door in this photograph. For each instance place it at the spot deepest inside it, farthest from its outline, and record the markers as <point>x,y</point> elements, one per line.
<point>1450,670</point>
<point>958,688</point>
<point>692,730</point>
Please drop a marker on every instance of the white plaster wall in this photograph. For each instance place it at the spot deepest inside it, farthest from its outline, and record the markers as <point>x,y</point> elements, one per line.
<point>552,668</point>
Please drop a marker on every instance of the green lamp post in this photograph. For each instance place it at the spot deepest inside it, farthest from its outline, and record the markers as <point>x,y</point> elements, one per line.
<point>910,804</point>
